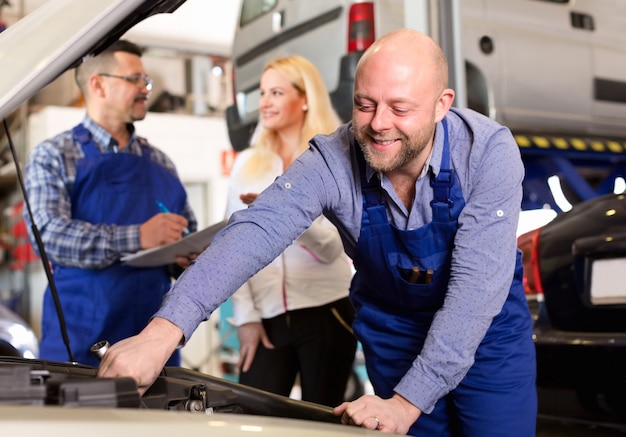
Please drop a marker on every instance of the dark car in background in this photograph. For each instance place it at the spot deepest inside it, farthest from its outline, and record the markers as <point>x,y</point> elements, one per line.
<point>575,271</point>
<point>17,339</point>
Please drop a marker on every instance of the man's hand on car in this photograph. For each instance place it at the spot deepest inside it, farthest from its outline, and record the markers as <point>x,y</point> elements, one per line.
<point>143,356</point>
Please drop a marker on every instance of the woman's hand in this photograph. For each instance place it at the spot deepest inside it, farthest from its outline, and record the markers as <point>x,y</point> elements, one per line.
<point>249,335</point>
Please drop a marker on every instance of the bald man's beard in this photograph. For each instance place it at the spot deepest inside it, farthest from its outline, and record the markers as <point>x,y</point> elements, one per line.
<point>411,147</point>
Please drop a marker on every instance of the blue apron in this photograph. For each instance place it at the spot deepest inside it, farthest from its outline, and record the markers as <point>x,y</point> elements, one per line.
<point>395,311</point>
<point>117,301</point>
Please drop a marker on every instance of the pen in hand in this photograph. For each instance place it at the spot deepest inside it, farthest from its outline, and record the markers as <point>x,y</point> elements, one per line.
<point>164,208</point>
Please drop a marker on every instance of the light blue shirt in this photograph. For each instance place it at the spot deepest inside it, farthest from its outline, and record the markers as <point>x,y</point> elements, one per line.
<point>325,179</point>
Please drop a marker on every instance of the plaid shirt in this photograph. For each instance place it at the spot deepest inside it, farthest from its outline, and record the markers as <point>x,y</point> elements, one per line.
<point>49,177</point>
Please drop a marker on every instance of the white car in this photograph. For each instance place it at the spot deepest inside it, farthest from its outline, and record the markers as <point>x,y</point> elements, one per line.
<point>36,394</point>
<point>17,339</point>
<point>536,66</point>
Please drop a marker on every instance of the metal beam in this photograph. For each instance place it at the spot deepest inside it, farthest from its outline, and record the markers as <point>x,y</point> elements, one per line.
<point>441,20</point>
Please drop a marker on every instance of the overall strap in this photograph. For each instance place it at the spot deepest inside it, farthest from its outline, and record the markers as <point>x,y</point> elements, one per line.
<point>441,203</point>
<point>145,148</point>
<point>374,207</point>
<point>372,195</point>
<point>83,137</point>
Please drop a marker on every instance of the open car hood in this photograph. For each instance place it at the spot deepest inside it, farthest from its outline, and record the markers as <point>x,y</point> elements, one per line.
<point>67,398</point>
<point>56,36</point>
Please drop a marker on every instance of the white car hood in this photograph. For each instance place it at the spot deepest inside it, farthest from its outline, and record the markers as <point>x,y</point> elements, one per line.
<point>55,37</point>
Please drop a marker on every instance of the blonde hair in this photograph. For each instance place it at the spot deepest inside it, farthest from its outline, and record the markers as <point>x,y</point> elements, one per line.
<point>320,118</point>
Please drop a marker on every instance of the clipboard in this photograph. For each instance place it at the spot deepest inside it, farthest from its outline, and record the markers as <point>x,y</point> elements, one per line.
<point>195,242</point>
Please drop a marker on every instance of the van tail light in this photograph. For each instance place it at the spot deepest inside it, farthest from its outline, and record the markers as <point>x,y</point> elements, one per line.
<point>528,243</point>
<point>233,87</point>
<point>361,32</point>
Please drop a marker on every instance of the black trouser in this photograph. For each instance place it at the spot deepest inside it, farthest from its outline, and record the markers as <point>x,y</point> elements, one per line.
<point>315,342</point>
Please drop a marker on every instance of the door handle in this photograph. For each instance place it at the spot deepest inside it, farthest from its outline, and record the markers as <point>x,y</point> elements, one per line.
<point>582,21</point>
<point>278,21</point>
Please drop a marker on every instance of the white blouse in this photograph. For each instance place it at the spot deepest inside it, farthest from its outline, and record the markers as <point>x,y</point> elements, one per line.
<point>313,271</point>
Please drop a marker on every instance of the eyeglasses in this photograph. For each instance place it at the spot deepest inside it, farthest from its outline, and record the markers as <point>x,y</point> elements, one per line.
<point>135,79</point>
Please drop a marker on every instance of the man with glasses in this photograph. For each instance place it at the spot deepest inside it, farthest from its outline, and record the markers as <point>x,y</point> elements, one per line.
<point>97,192</point>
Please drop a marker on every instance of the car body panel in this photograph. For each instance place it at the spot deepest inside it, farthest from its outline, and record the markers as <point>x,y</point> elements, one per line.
<point>565,270</point>
<point>591,365</point>
<point>16,337</point>
<point>54,421</point>
<point>581,339</point>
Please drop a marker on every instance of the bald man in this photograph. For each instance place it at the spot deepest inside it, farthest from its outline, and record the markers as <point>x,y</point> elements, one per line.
<point>426,198</point>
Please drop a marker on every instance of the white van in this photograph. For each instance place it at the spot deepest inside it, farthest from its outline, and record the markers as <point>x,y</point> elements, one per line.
<point>537,66</point>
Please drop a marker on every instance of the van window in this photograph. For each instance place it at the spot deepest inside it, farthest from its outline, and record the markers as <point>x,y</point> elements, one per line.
<point>251,9</point>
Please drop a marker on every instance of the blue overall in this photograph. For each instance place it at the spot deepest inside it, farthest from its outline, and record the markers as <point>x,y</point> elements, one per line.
<point>117,301</point>
<point>394,313</point>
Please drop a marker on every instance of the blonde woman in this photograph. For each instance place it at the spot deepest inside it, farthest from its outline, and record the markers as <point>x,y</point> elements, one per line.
<point>293,317</point>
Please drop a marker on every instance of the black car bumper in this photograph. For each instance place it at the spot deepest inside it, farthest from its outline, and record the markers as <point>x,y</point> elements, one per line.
<point>582,361</point>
